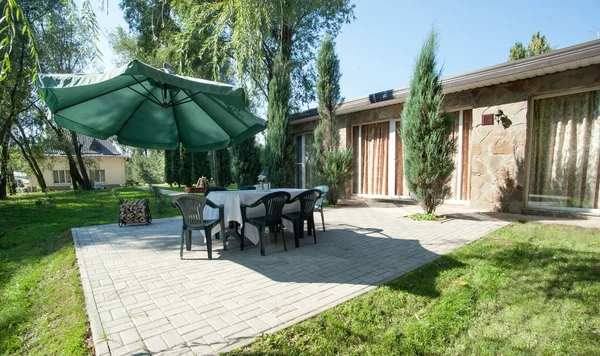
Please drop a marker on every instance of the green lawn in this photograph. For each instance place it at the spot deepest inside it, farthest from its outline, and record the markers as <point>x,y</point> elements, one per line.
<point>41,300</point>
<point>524,289</point>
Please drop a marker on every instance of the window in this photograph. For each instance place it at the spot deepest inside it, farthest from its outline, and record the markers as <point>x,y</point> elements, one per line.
<point>97,175</point>
<point>565,154</point>
<point>61,176</point>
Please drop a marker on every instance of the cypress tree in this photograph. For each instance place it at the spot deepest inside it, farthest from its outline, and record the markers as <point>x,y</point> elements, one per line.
<point>245,162</point>
<point>425,132</point>
<point>329,98</point>
<point>169,178</point>
<point>332,165</point>
<point>279,160</point>
<point>185,170</point>
<point>200,166</point>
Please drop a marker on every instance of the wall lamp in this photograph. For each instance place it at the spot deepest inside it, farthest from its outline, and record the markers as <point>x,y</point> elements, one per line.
<point>500,116</point>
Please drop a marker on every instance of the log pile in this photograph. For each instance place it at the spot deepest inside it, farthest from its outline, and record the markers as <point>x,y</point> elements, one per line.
<point>134,211</point>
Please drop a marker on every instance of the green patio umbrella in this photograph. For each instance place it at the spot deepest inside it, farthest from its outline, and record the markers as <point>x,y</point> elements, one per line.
<point>150,108</point>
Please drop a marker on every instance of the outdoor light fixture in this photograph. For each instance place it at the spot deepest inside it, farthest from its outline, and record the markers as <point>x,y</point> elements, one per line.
<point>499,116</point>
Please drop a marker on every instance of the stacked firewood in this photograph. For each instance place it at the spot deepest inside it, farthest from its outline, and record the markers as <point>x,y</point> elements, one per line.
<point>134,211</point>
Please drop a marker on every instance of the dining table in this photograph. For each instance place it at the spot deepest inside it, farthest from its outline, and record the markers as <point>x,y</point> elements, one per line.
<point>232,200</point>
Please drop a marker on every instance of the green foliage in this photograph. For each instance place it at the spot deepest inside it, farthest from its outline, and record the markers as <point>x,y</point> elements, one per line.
<point>425,131</point>
<point>176,166</point>
<point>169,174</point>
<point>185,169</point>
<point>245,162</point>
<point>42,307</point>
<point>148,167</point>
<point>426,217</point>
<point>278,159</point>
<point>336,172</point>
<point>526,289</point>
<point>223,168</point>
<point>332,166</point>
<point>160,200</point>
<point>537,45</point>
<point>253,33</point>
<point>201,166</point>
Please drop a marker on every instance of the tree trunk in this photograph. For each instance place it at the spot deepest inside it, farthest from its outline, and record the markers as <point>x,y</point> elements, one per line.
<point>87,185</point>
<point>4,168</point>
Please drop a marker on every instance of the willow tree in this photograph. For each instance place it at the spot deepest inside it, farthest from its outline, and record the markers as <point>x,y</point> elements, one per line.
<point>278,159</point>
<point>253,33</point>
<point>426,131</point>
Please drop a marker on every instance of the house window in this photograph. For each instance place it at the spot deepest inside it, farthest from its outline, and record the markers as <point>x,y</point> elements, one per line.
<point>61,176</point>
<point>564,165</point>
<point>97,175</point>
<point>304,174</point>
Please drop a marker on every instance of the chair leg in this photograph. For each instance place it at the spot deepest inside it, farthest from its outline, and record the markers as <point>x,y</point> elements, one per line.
<point>322,219</point>
<point>188,240</point>
<point>261,240</point>
<point>224,234</point>
<point>283,238</point>
<point>297,229</point>
<point>242,239</point>
<point>307,228</point>
<point>181,248</point>
<point>311,225</point>
<point>208,232</point>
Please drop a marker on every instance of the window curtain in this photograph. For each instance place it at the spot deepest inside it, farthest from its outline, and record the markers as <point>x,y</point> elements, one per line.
<point>565,159</point>
<point>374,165</point>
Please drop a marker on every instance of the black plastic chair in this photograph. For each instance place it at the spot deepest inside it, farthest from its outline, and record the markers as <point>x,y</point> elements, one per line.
<point>214,189</point>
<point>247,187</point>
<point>307,204</point>
<point>192,210</point>
<point>319,204</point>
<point>273,203</point>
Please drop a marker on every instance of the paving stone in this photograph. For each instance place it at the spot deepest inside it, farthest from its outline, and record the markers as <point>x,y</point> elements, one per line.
<point>150,300</point>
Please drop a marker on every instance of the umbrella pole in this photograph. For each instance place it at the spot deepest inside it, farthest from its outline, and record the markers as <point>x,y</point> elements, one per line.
<point>215,174</point>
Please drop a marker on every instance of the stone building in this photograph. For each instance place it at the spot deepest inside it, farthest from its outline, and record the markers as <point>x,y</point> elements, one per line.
<point>527,134</point>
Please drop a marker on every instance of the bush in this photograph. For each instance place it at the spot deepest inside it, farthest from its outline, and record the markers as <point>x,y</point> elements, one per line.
<point>336,171</point>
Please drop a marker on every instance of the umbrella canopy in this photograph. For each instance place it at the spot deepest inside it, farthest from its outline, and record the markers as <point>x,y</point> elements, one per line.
<point>150,108</point>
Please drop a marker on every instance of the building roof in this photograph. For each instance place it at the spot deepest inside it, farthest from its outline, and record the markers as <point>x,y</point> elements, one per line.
<point>93,147</point>
<point>581,55</point>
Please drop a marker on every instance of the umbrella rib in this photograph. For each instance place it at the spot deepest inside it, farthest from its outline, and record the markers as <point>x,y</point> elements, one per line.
<point>189,98</point>
<point>95,97</point>
<point>146,96</point>
<point>134,111</point>
<point>150,92</point>
<point>221,127</point>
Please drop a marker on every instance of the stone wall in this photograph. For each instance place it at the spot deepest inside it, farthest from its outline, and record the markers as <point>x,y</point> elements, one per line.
<point>498,151</point>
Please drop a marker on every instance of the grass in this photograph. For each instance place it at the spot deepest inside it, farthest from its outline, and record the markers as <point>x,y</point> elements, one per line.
<point>41,301</point>
<point>524,289</point>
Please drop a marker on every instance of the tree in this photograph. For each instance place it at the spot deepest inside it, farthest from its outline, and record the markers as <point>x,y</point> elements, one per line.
<point>176,165</point>
<point>537,45</point>
<point>332,165</point>
<point>426,130</point>
<point>169,176</point>
<point>185,169</point>
<point>253,33</point>
<point>278,159</point>
<point>245,162</point>
<point>223,161</point>
<point>200,166</point>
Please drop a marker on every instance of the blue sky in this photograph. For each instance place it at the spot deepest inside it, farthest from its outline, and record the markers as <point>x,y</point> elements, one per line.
<point>378,49</point>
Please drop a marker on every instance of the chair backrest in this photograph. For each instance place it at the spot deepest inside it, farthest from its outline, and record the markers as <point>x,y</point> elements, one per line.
<point>247,187</point>
<point>192,209</point>
<point>274,203</point>
<point>214,189</point>
<point>307,201</point>
<point>324,191</point>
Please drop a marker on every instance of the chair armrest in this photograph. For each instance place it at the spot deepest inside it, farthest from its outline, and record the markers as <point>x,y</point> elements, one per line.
<point>213,205</point>
<point>295,199</point>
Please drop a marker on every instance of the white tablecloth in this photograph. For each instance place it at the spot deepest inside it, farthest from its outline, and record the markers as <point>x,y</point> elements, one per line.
<point>231,200</point>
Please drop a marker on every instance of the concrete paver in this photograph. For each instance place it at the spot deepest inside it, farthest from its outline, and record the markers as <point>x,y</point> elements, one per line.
<point>141,297</point>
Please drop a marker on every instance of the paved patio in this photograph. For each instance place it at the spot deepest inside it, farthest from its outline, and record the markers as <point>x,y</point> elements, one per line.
<point>141,298</point>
